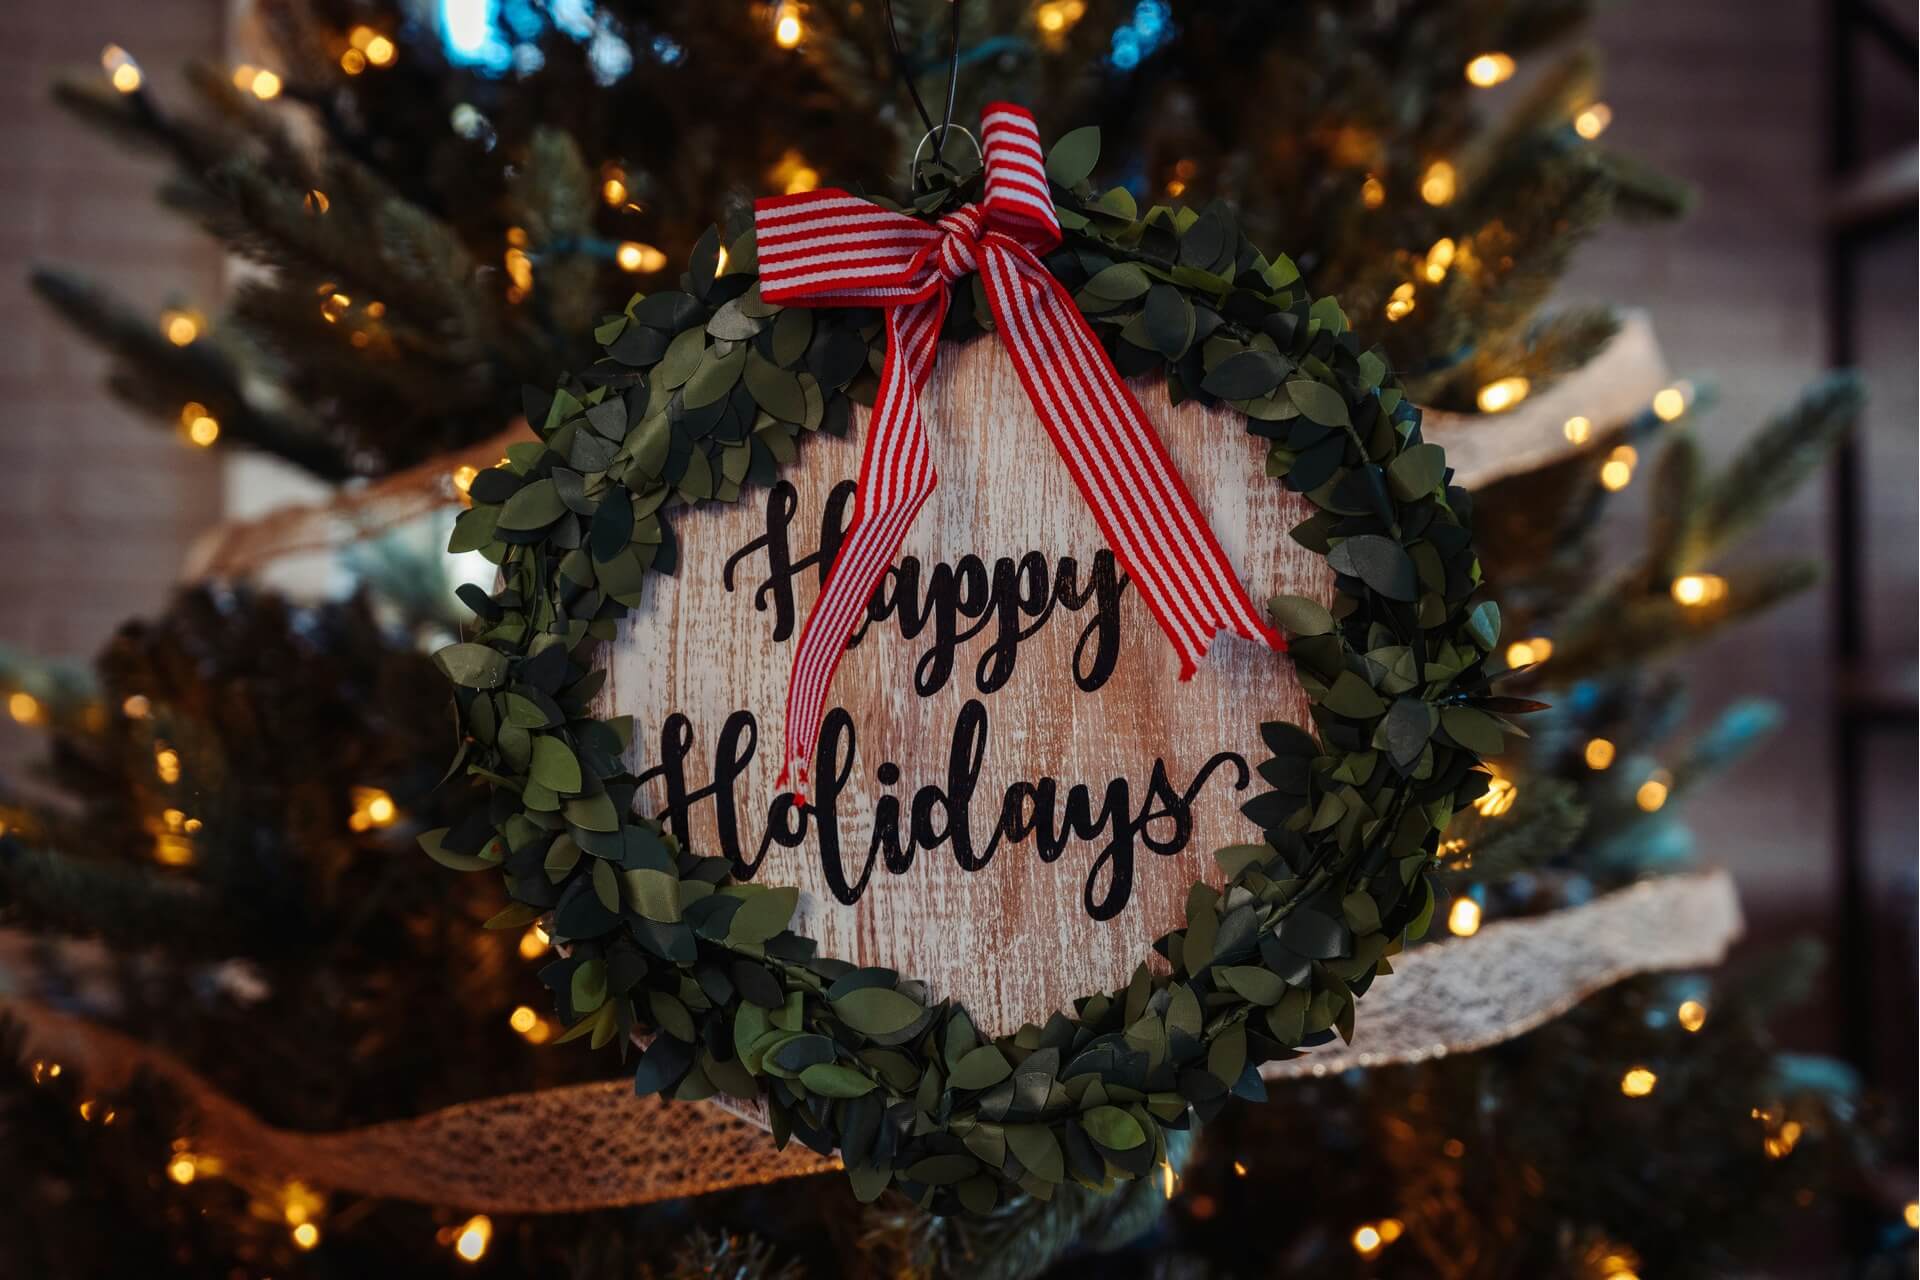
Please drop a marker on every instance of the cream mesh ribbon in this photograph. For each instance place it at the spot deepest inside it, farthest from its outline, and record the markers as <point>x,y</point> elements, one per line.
<point>596,1146</point>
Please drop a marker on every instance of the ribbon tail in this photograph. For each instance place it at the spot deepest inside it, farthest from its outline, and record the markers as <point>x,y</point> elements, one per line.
<point>1121,466</point>
<point>896,479</point>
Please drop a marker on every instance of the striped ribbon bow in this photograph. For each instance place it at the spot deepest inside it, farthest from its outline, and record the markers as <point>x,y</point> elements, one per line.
<point>826,248</point>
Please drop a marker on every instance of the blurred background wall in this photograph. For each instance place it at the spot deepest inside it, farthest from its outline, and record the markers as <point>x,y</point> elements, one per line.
<point>1733,94</point>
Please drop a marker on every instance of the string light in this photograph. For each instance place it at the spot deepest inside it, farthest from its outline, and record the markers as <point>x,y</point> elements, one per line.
<point>1669,403</point>
<point>24,707</point>
<point>614,189</point>
<point>787,29</point>
<point>1912,1215</point>
<point>720,263</point>
<point>317,202</point>
<point>1692,1015</point>
<point>266,86</point>
<point>243,76</point>
<point>1373,192</point>
<point>1239,1169</point>
<point>533,943</point>
<point>181,327</point>
<point>1366,1240</point>
<point>1599,754</point>
<point>1522,653</point>
<point>1489,69</point>
<point>1638,1082</point>
<point>1578,430</point>
<point>1056,18</point>
<point>306,1236</point>
<point>1503,393</point>
<point>353,62</point>
<point>1439,258</point>
<point>171,847</point>
<point>1695,589</point>
<point>136,707</point>
<point>1780,1143</point>
<point>520,271</point>
<point>474,1237</point>
<point>1437,183</point>
<point>1463,918</point>
<point>166,764</point>
<point>644,259</point>
<point>1593,121</point>
<point>463,477</point>
<point>1617,472</point>
<point>121,69</point>
<point>183,1168</point>
<point>372,808</point>
<point>380,51</point>
<point>333,306</point>
<point>1654,791</point>
<point>523,1019</point>
<point>1497,799</point>
<point>202,428</point>
<point>1401,303</point>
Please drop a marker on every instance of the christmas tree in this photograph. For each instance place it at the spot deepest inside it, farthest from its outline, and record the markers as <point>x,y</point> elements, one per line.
<point>442,211</point>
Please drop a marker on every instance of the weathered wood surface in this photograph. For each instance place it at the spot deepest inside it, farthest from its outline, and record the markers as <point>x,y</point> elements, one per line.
<point>1012,939</point>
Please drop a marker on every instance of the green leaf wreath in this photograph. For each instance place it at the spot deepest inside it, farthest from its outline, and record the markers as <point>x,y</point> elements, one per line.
<point>707,390</point>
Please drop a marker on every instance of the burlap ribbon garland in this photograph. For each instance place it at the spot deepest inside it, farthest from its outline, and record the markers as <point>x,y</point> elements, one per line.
<point>596,1146</point>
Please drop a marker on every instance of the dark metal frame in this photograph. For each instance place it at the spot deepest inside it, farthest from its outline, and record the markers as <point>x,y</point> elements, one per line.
<point>1861,706</point>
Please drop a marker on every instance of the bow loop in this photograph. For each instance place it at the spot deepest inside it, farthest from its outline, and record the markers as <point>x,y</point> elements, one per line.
<point>827,248</point>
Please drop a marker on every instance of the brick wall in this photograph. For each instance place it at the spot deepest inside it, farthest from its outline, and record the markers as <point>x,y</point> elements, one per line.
<point>99,505</point>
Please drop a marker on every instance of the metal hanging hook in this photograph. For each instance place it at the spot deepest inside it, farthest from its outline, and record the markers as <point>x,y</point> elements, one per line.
<point>937,132</point>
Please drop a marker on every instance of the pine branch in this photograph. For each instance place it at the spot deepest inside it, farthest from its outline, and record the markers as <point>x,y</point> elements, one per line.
<point>1776,462</point>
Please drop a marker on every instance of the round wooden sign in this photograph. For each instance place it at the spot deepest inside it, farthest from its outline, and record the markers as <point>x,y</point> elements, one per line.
<point>1014,792</point>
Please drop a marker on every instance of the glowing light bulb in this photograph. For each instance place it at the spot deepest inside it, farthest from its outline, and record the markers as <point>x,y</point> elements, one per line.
<point>1638,1082</point>
<point>1599,754</point>
<point>474,1237</point>
<point>1616,474</point>
<point>182,1168</point>
<point>333,306</point>
<point>1693,589</point>
<point>614,191</point>
<point>1578,430</point>
<point>1373,192</point>
<point>181,327</point>
<point>1523,653</point>
<point>166,765</point>
<point>24,707</point>
<point>121,69</point>
<point>1503,393</point>
<point>1692,1015</point>
<point>266,86</point>
<point>317,202</point>
<point>1489,69</point>
<point>520,270</point>
<point>1463,918</point>
<point>1497,799</point>
<point>533,943</point>
<point>1391,1229</point>
<point>1439,258</point>
<point>353,62</point>
<point>1669,403</point>
<point>1401,303</point>
<point>523,1019</point>
<point>1437,184</point>
<point>380,51</point>
<point>635,256</point>
<point>203,430</point>
<point>1654,791</point>
<point>1912,1215</point>
<point>1593,121</point>
<point>372,808</point>
<point>463,478</point>
<point>136,707</point>
<point>1239,1169</point>
<point>306,1236</point>
<point>787,29</point>
<point>1366,1240</point>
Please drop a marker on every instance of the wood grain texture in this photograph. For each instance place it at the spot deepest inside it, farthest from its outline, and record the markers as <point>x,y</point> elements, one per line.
<point>1012,939</point>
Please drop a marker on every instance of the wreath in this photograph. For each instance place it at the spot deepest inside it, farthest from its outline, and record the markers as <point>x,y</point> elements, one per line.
<point>708,390</point>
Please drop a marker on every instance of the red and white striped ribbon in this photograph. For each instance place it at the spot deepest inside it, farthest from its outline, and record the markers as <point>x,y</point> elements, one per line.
<point>826,248</point>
